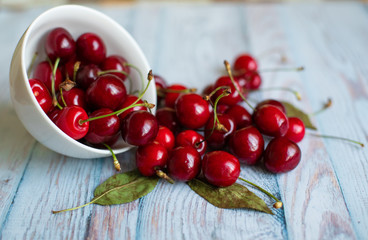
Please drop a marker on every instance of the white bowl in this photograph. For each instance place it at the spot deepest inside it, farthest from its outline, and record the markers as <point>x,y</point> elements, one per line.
<point>77,20</point>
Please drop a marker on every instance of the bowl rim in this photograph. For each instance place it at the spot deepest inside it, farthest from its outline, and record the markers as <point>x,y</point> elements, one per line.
<point>26,36</point>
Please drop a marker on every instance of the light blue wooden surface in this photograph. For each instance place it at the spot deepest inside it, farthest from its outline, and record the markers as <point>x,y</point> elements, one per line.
<point>325,197</point>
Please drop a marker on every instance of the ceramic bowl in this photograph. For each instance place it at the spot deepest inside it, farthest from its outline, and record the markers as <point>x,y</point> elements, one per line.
<point>77,20</point>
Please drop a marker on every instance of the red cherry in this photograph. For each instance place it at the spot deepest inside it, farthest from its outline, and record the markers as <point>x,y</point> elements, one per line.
<point>43,72</point>
<point>250,80</point>
<point>234,96</point>
<point>167,117</point>
<point>220,168</point>
<point>191,138</point>
<point>171,97</point>
<point>41,94</point>
<point>244,63</point>
<point>192,110</point>
<point>129,100</point>
<point>281,155</point>
<point>161,84</point>
<point>117,63</point>
<point>103,130</point>
<point>59,44</point>
<point>139,128</point>
<point>271,121</point>
<point>74,97</point>
<point>247,145</point>
<point>86,75</point>
<point>296,130</point>
<point>91,48</point>
<point>108,91</point>
<point>67,69</point>
<point>69,122</point>
<point>150,158</point>
<point>240,115</point>
<point>165,137</point>
<point>184,163</point>
<point>272,102</point>
<point>218,138</point>
<point>54,114</point>
<point>208,90</point>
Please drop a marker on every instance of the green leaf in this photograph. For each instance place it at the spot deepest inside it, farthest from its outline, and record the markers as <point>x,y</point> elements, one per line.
<point>234,196</point>
<point>124,188</point>
<point>292,111</point>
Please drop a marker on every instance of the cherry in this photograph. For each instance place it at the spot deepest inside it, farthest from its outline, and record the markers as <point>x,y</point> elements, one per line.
<point>184,163</point>
<point>69,122</point>
<point>44,73</point>
<point>69,67</point>
<point>118,64</point>
<point>234,97</point>
<point>208,90</point>
<point>150,158</point>
<point>220,168</point>
<point>250,80</point>
<point>222,108</point>
<point>240,115</point>
<point>161,85</point>
<point>192,110</point>
<point>103,130</point>
<point>73,97</point>
<point>91,48</point>
<point>86,75</point>
<point>165,137</point>
<point>41,94</point>
<point>108,91</point>
<point>59,44</point>
<point>244,63</point>
<point>281,155</point>
<point>139,128</point>
<point>54,114</point>
<point>191,138</point>
<point>271,121</point>
<point>247,145</point>
<point>129,100</point>
<point>296,130</point>
<point>167,117</point>
<point>272,102</point>
<point>217,138</point>
<point>172,93</point>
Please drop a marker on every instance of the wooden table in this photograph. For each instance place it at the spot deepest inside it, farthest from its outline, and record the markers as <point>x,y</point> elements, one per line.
<point>325,197</point>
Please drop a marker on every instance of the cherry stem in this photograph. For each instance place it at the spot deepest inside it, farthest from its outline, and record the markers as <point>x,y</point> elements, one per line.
<point>62,97</point>
<point>208,97</point>
<point>112,71</point>
<point>296,93</point>
<point>228,69</point>
<point>116,162</point>
<point>32,64</point>
<point>336,137</point>
<point>328,104</point>
<point>75,69</point>
<point>163,175</point>
<point>278,203</point>
<point>54,100</point>
<point>139,72</point>
<point>291,69</point>
<point>188,90</point>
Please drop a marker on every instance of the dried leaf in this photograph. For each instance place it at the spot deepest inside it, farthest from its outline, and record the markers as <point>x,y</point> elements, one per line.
<point>293,111</point>
<point>234,196</point>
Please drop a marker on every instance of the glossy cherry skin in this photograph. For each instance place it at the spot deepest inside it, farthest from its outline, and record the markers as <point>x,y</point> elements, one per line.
<point>240,115</point>
<point>67,69</point>
<point>271,121</point>
<point>165,137</point>
<point>281,155</point>
<point>220,168</point>
<point>250,80</point>
<point>108,91</point>
<point>192,110</point>
<point>86,75</point>
<point>272,102</point>
<point>69,122</point>
<point>41,94</point>
<point>184,163</point>
<point>234,96</point>
<point>151,157</point>
<point>171,97</point>
<point>296,130</point>
<point>118,63</point>
<point>43,72</point>
<point>161,84</point>
<point>167,117</point>
<point>129,100</point>
<point>74,97</point>
<point>139,128</point>
<point>247,145</point>
<point>218,139</point>
<point>91,48</point>
<point>59,44</point>
<point>54,114</point>
<point>103,130</point>
<point>191,138</point>
<point>244,63</point>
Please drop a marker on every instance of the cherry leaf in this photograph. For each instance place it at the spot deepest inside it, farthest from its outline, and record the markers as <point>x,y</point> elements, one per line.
<point>234,196</point>
<point>124,188</point>
<point>292,111</point>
